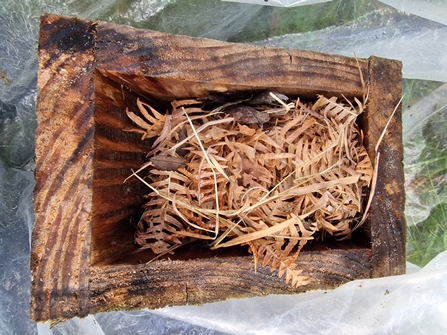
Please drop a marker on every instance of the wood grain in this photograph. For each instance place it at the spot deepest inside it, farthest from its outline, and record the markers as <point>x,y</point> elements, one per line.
<point>64,155</point>
<point>163,283</point>
<point>115,203</point>
<point>83,258</point>
<point>147,59</point>
<point>388,226</point>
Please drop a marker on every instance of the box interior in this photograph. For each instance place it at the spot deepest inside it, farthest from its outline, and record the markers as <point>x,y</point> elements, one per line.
<point>116,207</point>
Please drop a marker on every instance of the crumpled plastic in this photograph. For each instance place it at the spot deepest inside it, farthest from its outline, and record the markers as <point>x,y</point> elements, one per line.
<point>428,116</point>
<point>384,33</point>
<point>410,304</point>
<point>280,3</point>
<point>433,10</point>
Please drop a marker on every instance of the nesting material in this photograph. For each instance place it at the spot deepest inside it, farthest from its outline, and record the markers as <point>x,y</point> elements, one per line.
<point>262,172</point>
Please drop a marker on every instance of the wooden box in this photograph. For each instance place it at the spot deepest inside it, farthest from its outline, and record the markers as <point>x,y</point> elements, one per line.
<point>83,256</point>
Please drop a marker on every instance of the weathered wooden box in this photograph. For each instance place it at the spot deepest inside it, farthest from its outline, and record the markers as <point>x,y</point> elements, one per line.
<point>83,256</point>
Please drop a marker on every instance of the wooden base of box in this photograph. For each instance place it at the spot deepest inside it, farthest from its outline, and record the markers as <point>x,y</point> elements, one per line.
<point>83,257</point>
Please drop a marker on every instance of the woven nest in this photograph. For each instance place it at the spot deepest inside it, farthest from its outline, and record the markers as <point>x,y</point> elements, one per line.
<point>262,172</point>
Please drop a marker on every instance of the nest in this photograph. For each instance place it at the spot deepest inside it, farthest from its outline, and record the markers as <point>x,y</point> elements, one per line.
<point>263,172</point>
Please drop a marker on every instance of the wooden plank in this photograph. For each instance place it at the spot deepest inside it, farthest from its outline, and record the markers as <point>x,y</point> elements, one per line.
<point>174,67</point>
<point>115,204</point>
<point>64,155</point>
<point>167,283</point>
<point>388,226</point>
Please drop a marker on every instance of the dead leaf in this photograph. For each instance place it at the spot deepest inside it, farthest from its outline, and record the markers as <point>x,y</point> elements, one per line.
<point>245,130</point>
<point>167,163</point>
<point>273,188</point>
<point>265,98</point>
<point>247,115</point>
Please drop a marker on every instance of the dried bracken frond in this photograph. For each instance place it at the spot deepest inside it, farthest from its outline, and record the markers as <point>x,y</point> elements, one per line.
<point>262,172</point>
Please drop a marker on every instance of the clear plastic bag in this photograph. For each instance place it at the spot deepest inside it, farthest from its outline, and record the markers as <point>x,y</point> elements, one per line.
<point>413,303</point>
<point>420,44</point>
<point>280,3</point>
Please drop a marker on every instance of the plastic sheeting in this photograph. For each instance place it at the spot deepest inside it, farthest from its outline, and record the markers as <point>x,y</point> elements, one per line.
<point>420,44</point>
<point>410,304</point>
<point>280,3</point>
<point>428,116</point>
<point>434,10</point>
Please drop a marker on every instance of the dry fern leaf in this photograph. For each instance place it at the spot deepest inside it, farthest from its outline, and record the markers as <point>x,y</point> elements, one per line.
<point>272,175</point>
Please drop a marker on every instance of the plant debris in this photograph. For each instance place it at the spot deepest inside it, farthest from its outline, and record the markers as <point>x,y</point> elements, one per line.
<point>262,172</point>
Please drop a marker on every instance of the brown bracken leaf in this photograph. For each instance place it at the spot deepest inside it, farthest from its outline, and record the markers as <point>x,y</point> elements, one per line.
<point>167,163</point>
<point>241,179</point>
<point>247,115</point>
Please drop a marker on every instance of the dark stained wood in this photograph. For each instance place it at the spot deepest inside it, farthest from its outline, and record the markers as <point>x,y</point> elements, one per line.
<point>60,254</point>
<point>214,279</point>
<point>387,218</point>
<point>83,257</point>
<point>116,153</point>
<point>147,59</point>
